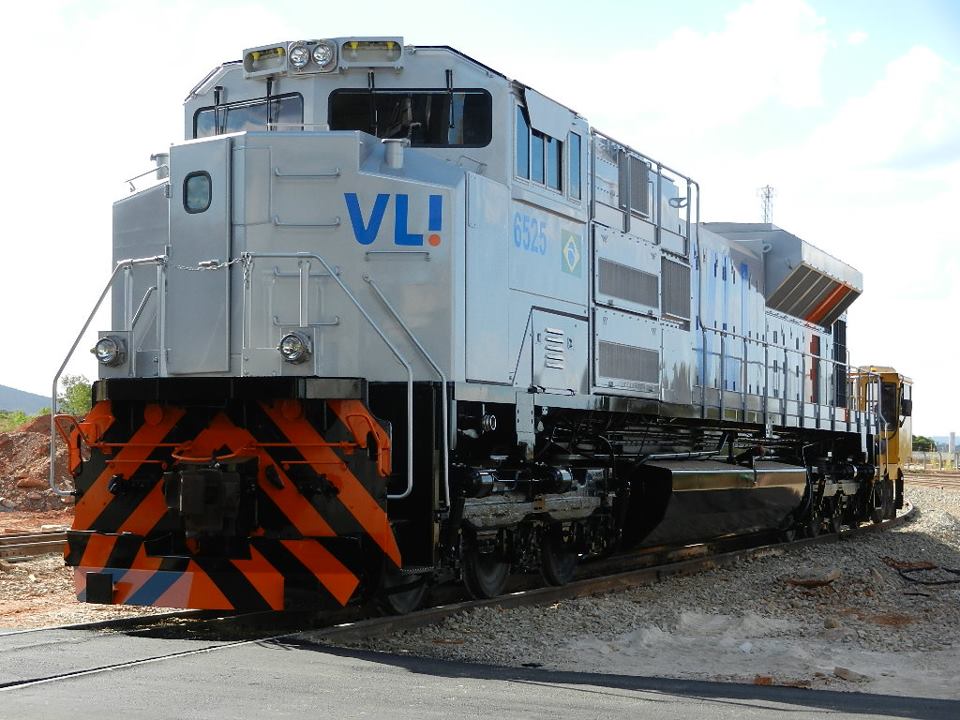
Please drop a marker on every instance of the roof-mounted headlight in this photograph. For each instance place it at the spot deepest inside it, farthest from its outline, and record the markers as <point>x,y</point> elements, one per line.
<point>295,347</point>
<point>110,351</point>
<point>299,56</point>
<point>323,54</point>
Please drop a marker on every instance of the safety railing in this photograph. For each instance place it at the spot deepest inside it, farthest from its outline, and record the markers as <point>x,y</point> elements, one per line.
<point>825,388</point>
<point>687,202</point>
<point>248,259</point>
<point>126,266</point>
<point>869,390</point>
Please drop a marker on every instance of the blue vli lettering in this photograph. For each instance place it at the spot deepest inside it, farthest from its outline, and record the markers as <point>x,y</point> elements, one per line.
<point>366,230</point>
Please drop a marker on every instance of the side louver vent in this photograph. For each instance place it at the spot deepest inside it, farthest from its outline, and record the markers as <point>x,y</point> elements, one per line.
<point>676,289</point>
<point>628,362</point>
<point>627,283</point>
<point>554,352</point>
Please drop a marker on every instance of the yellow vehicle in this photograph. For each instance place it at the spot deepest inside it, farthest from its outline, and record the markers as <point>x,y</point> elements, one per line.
<point>888,396</point>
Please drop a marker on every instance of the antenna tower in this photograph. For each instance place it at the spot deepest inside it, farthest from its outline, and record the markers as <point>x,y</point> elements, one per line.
<point>767,194</point>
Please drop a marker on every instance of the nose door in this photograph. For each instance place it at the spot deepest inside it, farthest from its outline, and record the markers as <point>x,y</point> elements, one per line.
<point>197,317</point>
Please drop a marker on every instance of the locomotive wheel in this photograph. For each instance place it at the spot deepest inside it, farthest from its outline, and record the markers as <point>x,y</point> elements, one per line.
<point>836,517</point>
<point>484,574</point>
<point>558,562</point>
<point>788,534</point>
<point>401,594</point>
<point>814,523</point>
<point>878,502</point>
<point>889,500</point>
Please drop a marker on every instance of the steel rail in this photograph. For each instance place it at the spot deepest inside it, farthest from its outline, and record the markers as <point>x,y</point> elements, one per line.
<point>366,629</point>
<point>122,623</point>
<point>33,682</point>
<point>648,566</point>
<point>23,545</point>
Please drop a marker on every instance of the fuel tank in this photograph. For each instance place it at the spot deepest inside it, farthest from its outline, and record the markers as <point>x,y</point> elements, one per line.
<point>677,501</point>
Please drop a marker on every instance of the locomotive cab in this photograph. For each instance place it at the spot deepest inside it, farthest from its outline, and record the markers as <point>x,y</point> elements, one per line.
<point>889,395</point>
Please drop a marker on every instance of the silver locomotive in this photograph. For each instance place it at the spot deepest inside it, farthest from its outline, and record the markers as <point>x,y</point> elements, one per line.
<point>389,318</point>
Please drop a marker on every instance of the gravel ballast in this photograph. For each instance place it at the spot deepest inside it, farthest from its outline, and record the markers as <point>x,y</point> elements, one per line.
<point>837,615</point>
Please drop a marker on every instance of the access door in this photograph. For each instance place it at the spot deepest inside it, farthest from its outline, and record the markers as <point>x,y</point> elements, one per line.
<point>198,289</point>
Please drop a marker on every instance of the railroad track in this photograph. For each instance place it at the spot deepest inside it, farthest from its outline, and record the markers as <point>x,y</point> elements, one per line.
<point>946,479</point>
<point>21,546</point>
<point>697,560</point>
<point>214,632</point>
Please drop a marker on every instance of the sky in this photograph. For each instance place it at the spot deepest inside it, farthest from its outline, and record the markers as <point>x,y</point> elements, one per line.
<point>850,109</point>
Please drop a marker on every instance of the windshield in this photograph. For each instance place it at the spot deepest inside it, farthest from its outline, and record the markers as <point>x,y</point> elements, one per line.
<point>888,403</point>
<point>429,118</point>
<point>283,112</point>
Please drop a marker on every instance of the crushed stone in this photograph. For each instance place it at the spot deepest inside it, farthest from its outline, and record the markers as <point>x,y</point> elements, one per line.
<point>868,629</point>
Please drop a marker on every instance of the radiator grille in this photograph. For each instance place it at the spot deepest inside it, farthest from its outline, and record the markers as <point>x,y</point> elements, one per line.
<point>627,283</point>
<point>628,362</point>
<point>676,289</point>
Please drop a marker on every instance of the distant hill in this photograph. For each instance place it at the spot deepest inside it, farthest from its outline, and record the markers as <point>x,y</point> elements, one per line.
<point>13,399</point>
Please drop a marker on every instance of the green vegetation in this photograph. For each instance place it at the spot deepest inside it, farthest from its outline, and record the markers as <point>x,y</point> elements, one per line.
<point>12,419</point>
<point>75,398</point>
<point>923,444</point>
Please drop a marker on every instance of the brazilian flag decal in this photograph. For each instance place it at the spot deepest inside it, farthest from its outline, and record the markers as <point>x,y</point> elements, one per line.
<point>571,253</point>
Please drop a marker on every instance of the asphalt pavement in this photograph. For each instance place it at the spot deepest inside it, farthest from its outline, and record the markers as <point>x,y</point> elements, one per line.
<point>296,679</point>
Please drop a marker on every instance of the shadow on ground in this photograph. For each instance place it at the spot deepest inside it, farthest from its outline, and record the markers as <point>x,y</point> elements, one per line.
<point>748,696</point>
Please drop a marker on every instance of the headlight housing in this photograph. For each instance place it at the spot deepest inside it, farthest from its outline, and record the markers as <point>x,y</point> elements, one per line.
<point>110,351</point>
<point>295,347</point>
<point>299,56</point>
<point>323,54</point>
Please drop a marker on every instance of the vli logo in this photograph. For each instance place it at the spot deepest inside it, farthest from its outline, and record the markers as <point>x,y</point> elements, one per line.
<point>366,230</point>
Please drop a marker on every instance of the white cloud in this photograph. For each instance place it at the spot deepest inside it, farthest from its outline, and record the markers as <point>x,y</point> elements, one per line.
<point>857,37</point>
<point>84,122</point>
<point>767,50</point>
<point>913,109</point>
<point>875,184</point>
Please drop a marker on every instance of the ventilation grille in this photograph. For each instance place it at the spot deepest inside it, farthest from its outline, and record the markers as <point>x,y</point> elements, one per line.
<point>639,184</point>
<point>627,283</point>
<point>676,289</point>
<point>628,363</point>
<point>554,352</point>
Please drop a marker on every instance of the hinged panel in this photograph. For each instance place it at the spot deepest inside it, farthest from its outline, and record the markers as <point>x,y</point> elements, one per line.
<point>626,352</point>
<point>559,352</point>
<point>626,272</point>
<point>198,321</point>
<point>487,340</point>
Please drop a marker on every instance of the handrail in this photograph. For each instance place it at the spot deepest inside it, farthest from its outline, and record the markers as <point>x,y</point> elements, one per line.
<point>248,258</point>
<point>654,217</point>
<point>160,261</point>
<point>767,346</point>
<point>143,304</point>
<point>443,383</point>
<point>156,169</point>
<point>867,416</point>
<point>875,380</point>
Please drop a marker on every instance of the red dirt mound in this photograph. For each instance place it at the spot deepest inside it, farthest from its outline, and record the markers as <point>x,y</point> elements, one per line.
<point>25,466</point>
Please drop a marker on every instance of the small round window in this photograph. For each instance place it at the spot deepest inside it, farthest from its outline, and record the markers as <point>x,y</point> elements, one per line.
<point>196,192</point>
